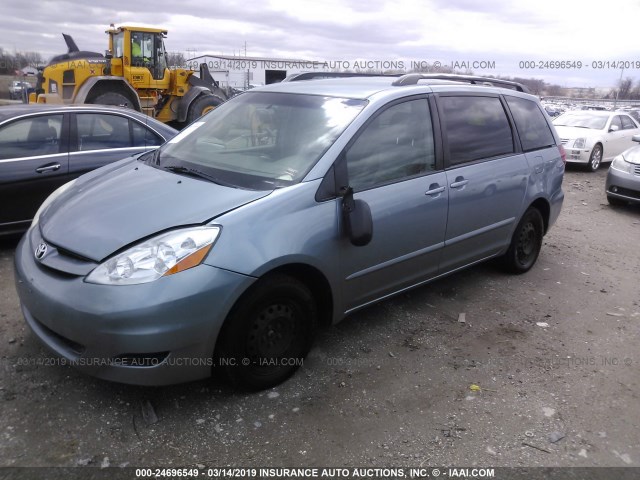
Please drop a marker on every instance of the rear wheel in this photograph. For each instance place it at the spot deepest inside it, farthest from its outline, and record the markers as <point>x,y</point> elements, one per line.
<point>201,105</point>
<point>525,243</point>
<point>596,158</point>
<point>112,98</point>
<point>268,333</point>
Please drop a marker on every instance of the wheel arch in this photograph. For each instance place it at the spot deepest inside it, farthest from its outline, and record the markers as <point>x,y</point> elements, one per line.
<point>98,85</point>
<point>542,205</point>
<point>315,281</point>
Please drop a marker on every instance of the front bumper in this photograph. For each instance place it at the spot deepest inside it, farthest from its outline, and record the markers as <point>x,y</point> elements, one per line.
<point>158,333</point>
<point>624,186</point>
<point>577,155</point>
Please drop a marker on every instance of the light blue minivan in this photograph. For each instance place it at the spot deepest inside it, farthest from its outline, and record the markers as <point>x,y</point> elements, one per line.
<point>288,206</point>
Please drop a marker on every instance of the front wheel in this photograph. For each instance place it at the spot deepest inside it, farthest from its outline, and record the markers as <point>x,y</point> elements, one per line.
<point>201,105</point>
<point>596,158</point>
<point>525,243</point>
<point>268,333</point>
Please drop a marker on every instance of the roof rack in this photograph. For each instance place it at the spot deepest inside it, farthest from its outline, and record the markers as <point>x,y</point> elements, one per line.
<point>413,78</point>
<point>320,75</point>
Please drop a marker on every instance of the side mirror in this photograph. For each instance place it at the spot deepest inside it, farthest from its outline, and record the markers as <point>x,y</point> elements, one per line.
<point>614,128</point>
<point>357,219</point>
<point>636,138</point>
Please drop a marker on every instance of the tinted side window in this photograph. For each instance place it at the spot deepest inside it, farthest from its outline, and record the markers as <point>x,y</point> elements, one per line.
<point>143,137</point>
<point>475,127</point>
<point>31,137</point>
<point>97,131</point>
<point>397,144</point>
<point>627,123</point>
<point>531,124</point>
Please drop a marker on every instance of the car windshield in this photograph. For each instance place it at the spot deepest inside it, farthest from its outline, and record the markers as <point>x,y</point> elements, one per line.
<point>584,120</point>
<point>259,140</point>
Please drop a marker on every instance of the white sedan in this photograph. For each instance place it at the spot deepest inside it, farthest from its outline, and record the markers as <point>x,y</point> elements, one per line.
<point>593,137</point>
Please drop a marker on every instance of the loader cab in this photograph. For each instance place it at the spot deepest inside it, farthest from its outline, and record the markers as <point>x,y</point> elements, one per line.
<point>147,50</point>
<point>140,56</point>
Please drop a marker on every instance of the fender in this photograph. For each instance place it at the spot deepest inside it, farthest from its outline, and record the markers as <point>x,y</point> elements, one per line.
<point>187,100</point>
<point>85,89</point>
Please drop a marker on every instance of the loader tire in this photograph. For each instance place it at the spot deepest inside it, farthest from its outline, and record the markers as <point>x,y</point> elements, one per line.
<point>201,105</point>
<point>112,98</point>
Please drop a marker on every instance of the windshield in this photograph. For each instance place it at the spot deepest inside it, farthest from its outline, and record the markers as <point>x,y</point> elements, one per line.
<point>584,120</point>
<point>260,140</point>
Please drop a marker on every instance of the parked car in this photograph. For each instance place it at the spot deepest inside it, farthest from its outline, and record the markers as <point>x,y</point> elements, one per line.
<point>623,178</point>
<point>16,87</point>
<point>43,147</point>
<point>290,205</point>
<point>593,137</point>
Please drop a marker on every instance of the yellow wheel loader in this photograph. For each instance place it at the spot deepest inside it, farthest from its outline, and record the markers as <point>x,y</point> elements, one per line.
<point>132,73</point>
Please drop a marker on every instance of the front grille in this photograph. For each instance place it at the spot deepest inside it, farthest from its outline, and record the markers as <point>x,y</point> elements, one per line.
<point>636,170</point>
<point>564,141</point>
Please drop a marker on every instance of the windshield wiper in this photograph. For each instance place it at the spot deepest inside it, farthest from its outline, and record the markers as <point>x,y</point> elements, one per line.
<point>196,173</point>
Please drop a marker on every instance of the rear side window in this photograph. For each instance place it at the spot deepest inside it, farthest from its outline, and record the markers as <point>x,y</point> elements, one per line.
<point>98,131</point>
<point>627,123</point>
<point>143,137</point>
<point>531,124</point>
<point>475,128</point>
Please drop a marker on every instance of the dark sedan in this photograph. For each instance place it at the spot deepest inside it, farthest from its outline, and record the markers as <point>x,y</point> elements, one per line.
<point>45,146</point>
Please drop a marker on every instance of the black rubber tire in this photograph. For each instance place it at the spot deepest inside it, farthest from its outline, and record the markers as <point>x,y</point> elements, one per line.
<point>595,159</point>
<point>526,243</point>
<point>616,202</point>
<point>112,98</point>
<point>268,333</point>
<point>201,105</point>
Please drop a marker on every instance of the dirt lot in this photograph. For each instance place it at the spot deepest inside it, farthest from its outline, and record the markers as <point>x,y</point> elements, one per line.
<point>554,352</point>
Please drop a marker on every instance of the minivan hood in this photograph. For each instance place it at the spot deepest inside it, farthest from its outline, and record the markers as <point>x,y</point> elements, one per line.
<point>101,213</point>
<point>577,132</point>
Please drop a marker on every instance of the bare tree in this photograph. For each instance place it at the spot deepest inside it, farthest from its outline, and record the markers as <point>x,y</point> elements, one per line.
<point>624,88</point>
<point>176,59</point>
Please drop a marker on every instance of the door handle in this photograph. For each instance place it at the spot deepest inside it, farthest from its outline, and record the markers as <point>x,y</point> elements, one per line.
<point>459,183</point>
<point>48,168</point>
<point>434,189</point>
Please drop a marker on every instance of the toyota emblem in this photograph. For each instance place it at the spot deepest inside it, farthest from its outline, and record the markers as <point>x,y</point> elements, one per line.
<point>41,251</point>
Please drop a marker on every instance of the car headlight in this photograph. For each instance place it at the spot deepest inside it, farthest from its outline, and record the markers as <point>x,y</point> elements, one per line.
<point>620,164</point>
<point>579,143</point>
<point>56,193</point>
<point>157,257</point>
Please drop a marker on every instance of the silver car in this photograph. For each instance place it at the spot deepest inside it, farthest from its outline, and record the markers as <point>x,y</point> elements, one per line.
<point>289,206</point>
<point>623,178</point>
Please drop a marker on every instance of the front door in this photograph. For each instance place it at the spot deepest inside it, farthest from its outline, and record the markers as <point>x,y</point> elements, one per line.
<point>392,167</point>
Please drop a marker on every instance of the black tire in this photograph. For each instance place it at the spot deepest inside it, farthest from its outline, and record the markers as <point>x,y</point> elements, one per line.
<point>268,333</point>
<point>112,98</point>
<point>201,105</point>
<point>525,243</point>
<point>595,159</point>
<point>616,202</point>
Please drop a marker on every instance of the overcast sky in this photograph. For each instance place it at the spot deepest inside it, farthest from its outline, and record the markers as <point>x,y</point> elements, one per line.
<point>504,32</point>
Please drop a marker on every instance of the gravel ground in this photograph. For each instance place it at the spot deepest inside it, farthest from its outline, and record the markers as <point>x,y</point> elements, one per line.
<point>543,372</point>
